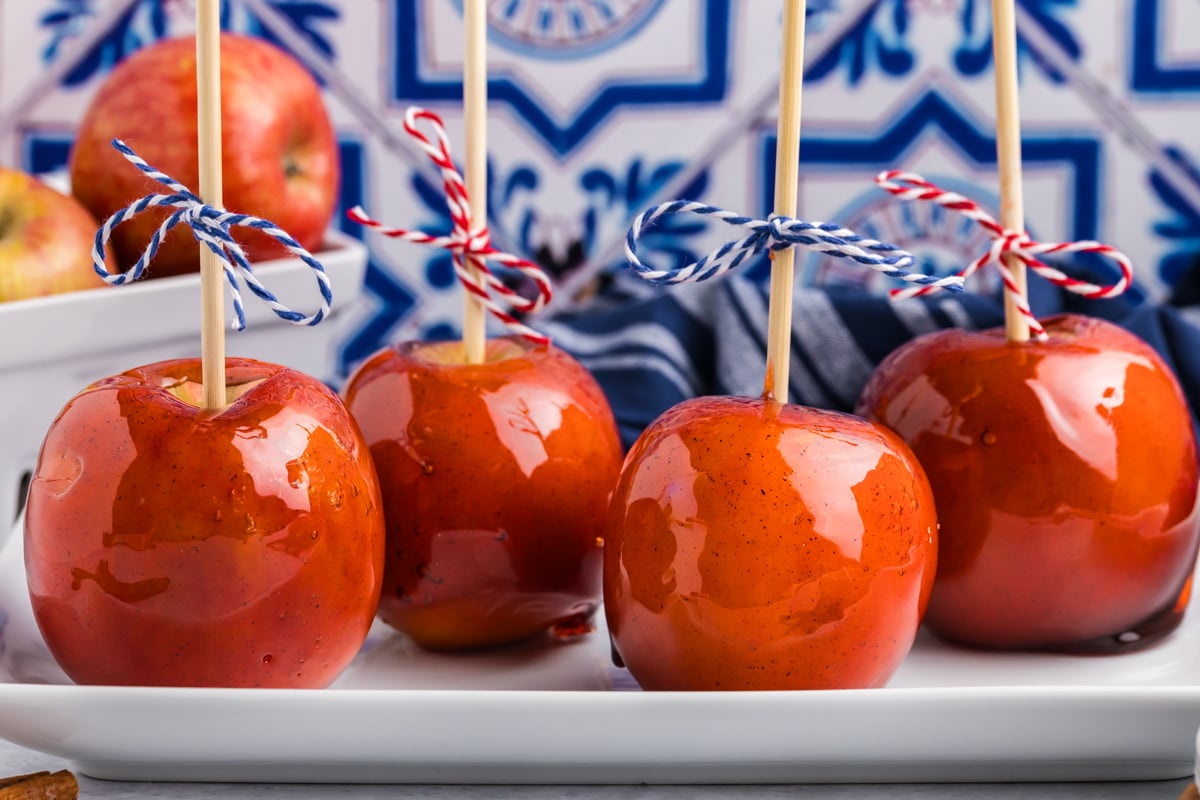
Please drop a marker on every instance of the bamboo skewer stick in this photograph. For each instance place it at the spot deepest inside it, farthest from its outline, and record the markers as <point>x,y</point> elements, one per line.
<point>787,157</point>
<point>212,297</point>
<point>1008,154</point>
<point>474,329</point>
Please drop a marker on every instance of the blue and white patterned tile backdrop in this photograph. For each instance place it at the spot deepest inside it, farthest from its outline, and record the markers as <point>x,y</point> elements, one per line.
<point>602,107</point>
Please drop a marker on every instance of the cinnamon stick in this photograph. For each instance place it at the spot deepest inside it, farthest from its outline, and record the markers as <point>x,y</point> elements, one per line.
<point>59,785</point>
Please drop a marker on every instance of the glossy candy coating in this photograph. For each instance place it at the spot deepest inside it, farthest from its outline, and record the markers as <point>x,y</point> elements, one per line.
<point>1066,481</point>
<point>754,545</point>
<point>166,545</point>
<point>496,478</point>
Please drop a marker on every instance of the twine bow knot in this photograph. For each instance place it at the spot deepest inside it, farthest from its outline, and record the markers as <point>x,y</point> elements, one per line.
<point>212,227</point>
<point>467,242</point>
<point>774,233</point>
<point>1006,242</point>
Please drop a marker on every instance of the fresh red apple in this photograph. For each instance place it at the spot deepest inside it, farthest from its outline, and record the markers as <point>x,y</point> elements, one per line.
<point>1066,482</point>
<point>169,545</point>
<point>45,240</point>
<point>495,481</point>
<point>757,545</point>
<point>279,155</point>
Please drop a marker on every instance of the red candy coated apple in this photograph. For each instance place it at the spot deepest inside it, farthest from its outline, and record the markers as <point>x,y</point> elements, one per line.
<point>756,545</point>
<point>495,481</point>
<point>168,545</point>
<point>1066,482</point>
<point>279,155</point>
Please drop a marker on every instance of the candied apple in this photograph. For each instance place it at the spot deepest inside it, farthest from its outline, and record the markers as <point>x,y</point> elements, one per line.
<point>757,545</point>
<point>1065,476</point>
<point>495,479</point>
<point>170,545</point>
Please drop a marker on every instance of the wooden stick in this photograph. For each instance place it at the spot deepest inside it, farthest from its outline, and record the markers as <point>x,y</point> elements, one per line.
<point>787,168</point>
<point>60,785</point>
<point>1008,154</point>
<point>475,170</point>
<point>212,292</point>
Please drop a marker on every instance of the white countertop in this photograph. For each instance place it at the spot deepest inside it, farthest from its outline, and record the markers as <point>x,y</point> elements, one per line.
<point>15,760</point>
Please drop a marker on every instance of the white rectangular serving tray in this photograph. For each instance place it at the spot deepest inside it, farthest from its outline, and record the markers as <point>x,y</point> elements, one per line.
<point>558,712</point>
<point>57,345</point>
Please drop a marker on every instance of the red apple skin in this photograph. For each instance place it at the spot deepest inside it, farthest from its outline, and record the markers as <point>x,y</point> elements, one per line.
<point>166,545</point>
<point>45,240</point>
<point>753,545</point>
<point>279,154</point>
<point>496,478</point>
<point>1066,480</point>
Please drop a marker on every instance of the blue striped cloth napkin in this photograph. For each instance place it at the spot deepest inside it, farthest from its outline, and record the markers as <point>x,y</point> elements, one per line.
<point>651,348</point>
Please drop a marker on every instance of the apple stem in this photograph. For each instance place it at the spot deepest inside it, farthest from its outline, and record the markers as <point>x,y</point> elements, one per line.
<point>475,93</point>
<point>1008,156</point>
<point>787,169</point>
<point>212,297</point>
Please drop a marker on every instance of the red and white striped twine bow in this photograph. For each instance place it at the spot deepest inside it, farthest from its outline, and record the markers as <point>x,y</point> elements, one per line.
<point>466,242</point>
<point>909,186</point>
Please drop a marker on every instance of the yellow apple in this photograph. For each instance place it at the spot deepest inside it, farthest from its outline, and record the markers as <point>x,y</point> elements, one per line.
<point>45,240</point>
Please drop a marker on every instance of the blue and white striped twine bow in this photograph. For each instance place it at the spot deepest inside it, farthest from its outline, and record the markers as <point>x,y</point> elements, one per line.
<point>211,227</point>
<point>775,233</point>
